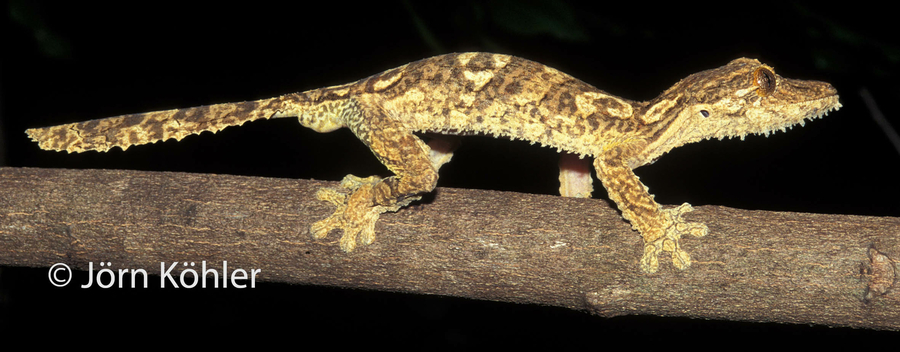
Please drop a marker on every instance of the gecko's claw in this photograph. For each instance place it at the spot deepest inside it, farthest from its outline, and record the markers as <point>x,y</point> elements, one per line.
<point>669,241</point>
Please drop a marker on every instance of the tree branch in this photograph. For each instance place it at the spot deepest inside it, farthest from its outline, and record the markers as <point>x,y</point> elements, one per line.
<point>837,270</point>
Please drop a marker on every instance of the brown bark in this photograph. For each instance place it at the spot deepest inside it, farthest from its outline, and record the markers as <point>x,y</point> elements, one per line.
<point>836,270</point>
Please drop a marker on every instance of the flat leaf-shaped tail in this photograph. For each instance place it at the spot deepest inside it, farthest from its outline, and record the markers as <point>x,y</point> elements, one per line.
<point>136,129</point>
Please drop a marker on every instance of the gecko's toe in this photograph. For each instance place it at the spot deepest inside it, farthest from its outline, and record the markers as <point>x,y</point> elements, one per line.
<point>650,259</point>
<point>348,241</point>
<point>681,259</point>
<point>321,228</point>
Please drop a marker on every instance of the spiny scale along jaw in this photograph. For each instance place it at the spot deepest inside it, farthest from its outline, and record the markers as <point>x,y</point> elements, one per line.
<point>735,100</point>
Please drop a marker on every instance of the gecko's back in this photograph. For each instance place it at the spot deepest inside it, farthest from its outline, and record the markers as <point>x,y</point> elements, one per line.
<point>498,95</point>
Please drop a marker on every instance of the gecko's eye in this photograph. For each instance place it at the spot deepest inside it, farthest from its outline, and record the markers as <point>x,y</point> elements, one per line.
<point>704,113</point>
<point>764,78</point>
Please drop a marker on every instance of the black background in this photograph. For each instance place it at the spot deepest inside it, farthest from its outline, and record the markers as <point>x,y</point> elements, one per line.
<point>67,62</point>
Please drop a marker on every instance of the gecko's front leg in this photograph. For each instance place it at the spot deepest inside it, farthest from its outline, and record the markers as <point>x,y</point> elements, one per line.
<point>661,228</point>
<point>361,201</point>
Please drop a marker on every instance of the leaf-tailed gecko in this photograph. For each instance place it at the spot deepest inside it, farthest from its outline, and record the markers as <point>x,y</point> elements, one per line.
<point>501,96</point>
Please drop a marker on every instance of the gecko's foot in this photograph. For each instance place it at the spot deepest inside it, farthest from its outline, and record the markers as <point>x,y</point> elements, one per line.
<point>356,211</point>
<point>669,241</point>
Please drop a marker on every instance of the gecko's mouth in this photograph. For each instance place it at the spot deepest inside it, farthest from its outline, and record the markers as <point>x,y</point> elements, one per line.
<point>790,105</point>
<point>799,113</point>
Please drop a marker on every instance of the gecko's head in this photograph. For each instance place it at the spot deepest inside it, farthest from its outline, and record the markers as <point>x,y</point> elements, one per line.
<point>740,98</point>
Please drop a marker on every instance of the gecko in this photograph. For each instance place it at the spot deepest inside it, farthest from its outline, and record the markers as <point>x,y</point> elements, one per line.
<point>501,96</point>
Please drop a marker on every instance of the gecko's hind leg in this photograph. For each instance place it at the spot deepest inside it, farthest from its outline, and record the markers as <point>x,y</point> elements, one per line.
<point>361,201</point>
<point>575,176</point>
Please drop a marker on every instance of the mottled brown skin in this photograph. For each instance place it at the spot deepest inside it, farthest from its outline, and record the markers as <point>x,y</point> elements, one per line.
<point>502,96</point>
